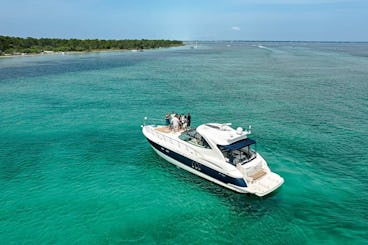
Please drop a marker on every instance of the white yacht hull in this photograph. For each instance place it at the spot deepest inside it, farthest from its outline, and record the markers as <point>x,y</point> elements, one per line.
<point>200,174</point>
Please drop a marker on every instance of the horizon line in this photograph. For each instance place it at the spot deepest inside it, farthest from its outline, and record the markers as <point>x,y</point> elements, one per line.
<point>198,40</point>
<point>286,41</point>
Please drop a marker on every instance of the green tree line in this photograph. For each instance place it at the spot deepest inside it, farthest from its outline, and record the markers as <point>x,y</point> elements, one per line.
<point>17,45</point>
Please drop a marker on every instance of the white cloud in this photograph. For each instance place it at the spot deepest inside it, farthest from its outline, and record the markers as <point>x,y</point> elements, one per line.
<point>235,28</point>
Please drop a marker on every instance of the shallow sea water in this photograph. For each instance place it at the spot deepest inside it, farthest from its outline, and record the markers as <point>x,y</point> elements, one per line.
<point>76,169</point>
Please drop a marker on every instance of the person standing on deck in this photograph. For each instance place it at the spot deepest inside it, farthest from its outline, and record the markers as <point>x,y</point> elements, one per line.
<point>167,119</point>
<point>188,120</point>
<point>175,123</point>
<point>184,122</point>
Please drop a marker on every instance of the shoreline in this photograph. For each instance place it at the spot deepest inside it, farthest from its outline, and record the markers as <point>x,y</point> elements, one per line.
<point>47,53</point>
<point>61,53</point>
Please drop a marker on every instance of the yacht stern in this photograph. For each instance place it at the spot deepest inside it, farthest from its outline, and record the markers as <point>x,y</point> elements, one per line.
<point>265,184</point>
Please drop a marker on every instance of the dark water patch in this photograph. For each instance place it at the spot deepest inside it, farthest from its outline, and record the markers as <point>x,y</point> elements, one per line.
<point>39,66</point>
<point>20,156</point>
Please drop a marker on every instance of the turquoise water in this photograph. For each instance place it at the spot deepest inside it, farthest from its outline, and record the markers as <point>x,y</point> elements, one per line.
<point>76,169</point>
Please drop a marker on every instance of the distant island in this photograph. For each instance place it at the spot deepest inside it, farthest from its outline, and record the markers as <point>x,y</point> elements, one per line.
<point>21,46</point>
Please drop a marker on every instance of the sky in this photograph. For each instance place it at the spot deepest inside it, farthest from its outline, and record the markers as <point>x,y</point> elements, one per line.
<point>269,20</point>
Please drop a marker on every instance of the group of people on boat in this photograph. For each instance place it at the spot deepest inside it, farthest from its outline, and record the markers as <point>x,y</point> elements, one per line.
<point>177,122</point>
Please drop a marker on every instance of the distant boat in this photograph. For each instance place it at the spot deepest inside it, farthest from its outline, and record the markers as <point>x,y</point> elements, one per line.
<point>137,50</point>
<point>195,46</point>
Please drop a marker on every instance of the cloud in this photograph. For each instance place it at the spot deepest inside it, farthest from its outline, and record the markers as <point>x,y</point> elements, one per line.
<point>235,28</point>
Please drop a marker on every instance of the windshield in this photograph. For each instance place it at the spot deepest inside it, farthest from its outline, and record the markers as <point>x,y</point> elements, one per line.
<point>194,138</point>
<point>242,155</point>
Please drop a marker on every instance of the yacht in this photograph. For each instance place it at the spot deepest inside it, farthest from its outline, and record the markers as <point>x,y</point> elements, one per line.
<point>216,152</point>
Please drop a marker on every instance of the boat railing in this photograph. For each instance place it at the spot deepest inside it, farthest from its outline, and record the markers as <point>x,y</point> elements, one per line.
<point>184,148</point>
<point>252,157</point>
<point>153,121</point>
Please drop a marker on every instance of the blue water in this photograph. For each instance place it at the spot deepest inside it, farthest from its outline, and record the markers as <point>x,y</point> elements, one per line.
<point>76,169</point>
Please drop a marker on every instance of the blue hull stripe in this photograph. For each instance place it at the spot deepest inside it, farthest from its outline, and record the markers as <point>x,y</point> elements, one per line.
<point>199,167</point>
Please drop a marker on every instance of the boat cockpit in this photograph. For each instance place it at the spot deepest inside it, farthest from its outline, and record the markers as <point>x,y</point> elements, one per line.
<point>242,151</point>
